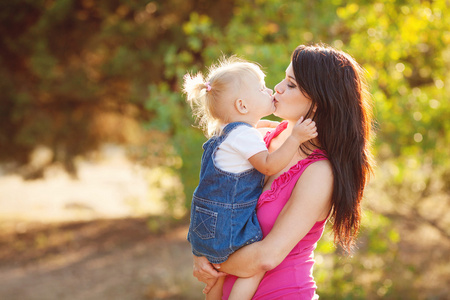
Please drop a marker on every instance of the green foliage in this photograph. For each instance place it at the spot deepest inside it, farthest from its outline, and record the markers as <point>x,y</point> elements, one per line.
<point>66,66</point>
<point>173,117</point>
<point>339,277</point>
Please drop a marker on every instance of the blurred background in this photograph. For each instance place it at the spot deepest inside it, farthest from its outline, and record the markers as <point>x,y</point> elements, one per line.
<point>99,156</point>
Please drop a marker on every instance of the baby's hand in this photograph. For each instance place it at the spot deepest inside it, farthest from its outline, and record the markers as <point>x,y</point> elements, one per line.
<point>304,130</point>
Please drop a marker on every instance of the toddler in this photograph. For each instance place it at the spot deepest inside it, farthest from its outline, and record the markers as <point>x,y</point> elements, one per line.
<point>235,160</point>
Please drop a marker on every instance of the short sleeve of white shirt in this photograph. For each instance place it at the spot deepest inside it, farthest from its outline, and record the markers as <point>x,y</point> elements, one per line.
<point>241,143</point>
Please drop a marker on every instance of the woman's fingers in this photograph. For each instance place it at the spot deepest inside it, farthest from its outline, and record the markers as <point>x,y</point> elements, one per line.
<point>209,285</point>
<point>205,271</point>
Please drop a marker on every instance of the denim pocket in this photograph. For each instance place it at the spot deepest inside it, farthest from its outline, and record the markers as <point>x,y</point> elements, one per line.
<point>204,224</point>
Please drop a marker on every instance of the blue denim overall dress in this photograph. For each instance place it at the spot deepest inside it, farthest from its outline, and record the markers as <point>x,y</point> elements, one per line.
<point>223,216</point>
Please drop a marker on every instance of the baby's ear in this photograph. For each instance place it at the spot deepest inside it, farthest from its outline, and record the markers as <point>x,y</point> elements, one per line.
<point>241,106</point>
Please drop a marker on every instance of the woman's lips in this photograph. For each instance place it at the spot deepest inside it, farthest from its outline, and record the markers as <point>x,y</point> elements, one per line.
<point>275,101</point>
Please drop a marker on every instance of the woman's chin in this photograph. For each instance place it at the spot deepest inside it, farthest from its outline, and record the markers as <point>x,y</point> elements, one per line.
<point>277,114</point>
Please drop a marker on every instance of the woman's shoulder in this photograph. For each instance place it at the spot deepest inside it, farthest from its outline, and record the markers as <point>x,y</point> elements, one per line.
<point>318,174</point>
<point>319,169</point>
<point>315,186</point>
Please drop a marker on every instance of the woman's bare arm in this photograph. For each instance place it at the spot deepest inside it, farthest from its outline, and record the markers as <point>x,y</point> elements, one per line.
<point>267,123</point>
<point>309,203</point>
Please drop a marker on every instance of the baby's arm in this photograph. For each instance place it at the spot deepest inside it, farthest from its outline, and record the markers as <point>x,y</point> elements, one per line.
<point>271,163</point>
<point>245,288</point>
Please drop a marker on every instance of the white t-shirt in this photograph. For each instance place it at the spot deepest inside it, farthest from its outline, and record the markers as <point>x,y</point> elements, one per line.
<point>241,143</point>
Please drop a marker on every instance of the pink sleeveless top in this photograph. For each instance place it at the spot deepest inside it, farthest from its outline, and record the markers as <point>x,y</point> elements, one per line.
<point>293,278</point>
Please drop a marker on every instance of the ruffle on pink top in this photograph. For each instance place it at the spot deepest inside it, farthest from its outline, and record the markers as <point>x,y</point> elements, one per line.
<point>273,134</point>
<point>279,184</point>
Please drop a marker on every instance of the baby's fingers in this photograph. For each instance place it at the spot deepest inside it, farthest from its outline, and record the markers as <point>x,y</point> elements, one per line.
<point>307,122</point>
<point>311,125</point>
<point>299,121</point>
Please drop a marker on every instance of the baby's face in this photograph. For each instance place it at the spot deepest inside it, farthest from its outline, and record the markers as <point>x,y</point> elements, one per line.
<point>259,98</point>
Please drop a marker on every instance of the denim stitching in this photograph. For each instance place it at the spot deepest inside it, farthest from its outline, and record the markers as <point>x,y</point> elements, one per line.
<point>226,205</point>
<point>211,230</point>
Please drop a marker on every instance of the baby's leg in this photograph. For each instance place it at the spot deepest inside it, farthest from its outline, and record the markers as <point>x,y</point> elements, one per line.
<point>216,291</point>
<point>245,288</point>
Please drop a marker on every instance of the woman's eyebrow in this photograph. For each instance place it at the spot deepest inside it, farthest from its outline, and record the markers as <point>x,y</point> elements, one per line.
<point>292,79</point>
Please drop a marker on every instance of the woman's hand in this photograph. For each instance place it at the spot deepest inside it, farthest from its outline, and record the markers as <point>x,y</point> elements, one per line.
<point>205,272</point>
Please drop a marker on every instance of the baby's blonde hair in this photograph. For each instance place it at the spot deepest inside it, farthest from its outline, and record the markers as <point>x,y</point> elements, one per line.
<point>206,95</point>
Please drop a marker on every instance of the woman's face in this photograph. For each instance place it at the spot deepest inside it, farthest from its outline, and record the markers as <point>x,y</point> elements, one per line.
<point>290,102</point>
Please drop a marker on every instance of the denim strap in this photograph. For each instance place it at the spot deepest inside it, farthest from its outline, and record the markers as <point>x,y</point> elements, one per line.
<point>230,126</point>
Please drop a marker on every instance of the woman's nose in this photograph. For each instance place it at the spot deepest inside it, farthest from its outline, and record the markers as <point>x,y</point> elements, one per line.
<point>277,89</point>
<point>270,91</point>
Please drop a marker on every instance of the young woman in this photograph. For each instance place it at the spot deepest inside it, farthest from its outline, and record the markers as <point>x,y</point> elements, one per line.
<point>325,179</point>
<point>235,161</point>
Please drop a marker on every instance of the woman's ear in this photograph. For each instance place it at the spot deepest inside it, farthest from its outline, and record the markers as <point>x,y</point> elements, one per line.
<point>314,108</point>
<point>241,106</point>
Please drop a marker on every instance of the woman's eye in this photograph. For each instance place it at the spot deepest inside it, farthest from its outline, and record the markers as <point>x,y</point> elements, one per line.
<point>290,84</point>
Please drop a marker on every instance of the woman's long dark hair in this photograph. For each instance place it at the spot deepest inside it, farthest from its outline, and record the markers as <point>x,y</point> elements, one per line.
<point>336,86</point>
